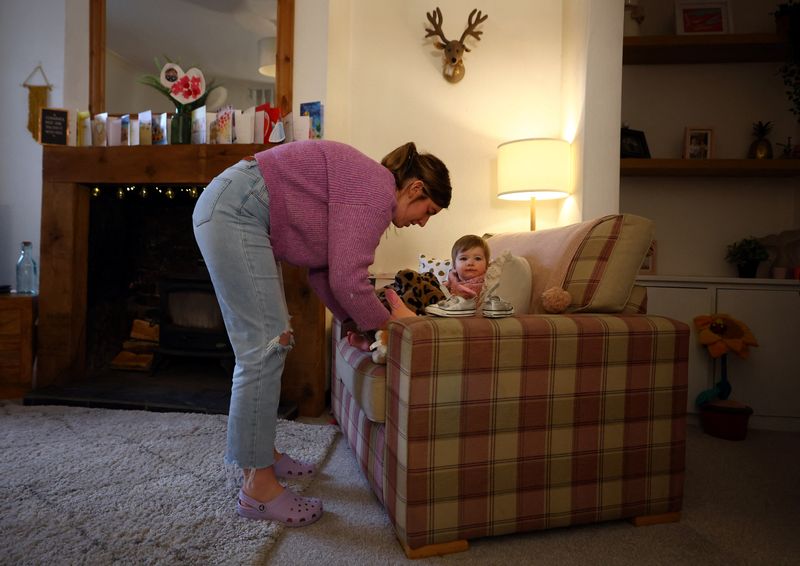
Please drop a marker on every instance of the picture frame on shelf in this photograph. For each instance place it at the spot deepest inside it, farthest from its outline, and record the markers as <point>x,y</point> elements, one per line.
<point>633,144</point>
<point>698,143</point>
<point>703,17</point>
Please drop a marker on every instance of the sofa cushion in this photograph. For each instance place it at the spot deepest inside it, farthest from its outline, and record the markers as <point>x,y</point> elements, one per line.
<point>439,267</point>
<point>364,379</point>
<point>604,268</point>
<point>637,302</point>
<point>596,261</point>
<point>512,274</point>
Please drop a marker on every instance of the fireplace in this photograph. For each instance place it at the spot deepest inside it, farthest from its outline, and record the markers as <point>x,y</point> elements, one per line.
<point>87,277</point>
<point>190,319</point>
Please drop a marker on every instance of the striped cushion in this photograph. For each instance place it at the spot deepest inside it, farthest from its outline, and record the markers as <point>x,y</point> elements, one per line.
<point>602,272</point>
<point>637,301</point>
<point>496,426</point>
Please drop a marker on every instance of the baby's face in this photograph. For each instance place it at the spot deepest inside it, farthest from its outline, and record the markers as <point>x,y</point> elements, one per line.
<point>471,263</point>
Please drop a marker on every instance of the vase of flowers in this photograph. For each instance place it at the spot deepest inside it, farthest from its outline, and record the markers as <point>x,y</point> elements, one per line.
<point>721,416</point>
<point>187,90</point>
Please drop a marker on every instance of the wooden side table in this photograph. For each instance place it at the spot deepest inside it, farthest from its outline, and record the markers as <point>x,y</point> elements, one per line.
<point>17,339</point>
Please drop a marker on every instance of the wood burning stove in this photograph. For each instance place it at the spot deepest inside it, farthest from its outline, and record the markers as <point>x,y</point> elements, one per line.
<point>191,320</point>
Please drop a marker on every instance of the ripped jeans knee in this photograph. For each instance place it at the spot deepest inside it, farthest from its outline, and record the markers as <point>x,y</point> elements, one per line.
<point>285,340</point>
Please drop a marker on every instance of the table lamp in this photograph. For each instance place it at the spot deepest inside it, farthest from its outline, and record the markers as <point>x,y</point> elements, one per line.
<point>533,169</point>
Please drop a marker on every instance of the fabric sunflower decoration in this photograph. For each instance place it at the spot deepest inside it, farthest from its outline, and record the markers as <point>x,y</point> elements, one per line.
<point>721,334</point>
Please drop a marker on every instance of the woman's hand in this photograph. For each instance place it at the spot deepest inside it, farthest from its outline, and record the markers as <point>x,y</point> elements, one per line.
<point>399,308</point>
<point>358,340</point>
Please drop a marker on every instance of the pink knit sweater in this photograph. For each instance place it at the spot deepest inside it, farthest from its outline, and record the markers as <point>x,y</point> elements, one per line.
<point>329,205</point>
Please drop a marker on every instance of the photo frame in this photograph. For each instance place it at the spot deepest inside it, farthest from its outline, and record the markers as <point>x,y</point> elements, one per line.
<point>649,263</point>
<point>703,17</point>
<point>698,143</point>
<point>633,144</point>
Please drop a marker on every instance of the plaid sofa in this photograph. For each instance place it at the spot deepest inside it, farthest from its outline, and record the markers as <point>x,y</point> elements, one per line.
<point>479,427</point>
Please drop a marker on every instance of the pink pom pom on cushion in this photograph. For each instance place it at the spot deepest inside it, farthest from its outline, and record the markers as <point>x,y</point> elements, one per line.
<point>555,300</point>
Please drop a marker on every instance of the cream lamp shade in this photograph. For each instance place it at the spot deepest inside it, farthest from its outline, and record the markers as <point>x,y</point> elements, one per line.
<point>266,56</point>
<point>533,169</point>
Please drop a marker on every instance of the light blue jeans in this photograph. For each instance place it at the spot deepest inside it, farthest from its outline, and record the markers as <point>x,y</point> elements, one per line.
<point>231,226</point>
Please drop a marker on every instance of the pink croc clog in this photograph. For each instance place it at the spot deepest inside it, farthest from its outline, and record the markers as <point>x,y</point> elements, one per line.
<point>288,509</point>
<point>288,468</point>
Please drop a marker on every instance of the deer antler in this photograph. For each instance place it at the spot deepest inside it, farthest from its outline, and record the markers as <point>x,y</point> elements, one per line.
<point>436,19</point>
<point>471,27</point>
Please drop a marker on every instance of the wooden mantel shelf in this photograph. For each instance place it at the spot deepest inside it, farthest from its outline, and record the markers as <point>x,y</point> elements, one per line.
<point>142,164</point>
<point>683,49</point>
<point>710,167</point>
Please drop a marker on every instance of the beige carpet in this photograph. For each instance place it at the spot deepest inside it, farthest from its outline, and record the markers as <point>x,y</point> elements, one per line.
<point>97,486</point>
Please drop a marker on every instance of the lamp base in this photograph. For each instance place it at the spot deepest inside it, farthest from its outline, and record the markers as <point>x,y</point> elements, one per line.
<point>533,215</point>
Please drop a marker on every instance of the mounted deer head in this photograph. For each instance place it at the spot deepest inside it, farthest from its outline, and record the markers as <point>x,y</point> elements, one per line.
<point>453,69</point>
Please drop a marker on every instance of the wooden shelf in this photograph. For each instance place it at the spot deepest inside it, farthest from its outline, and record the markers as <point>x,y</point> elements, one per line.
<point>688,49</point>
<point>142,164</point>
<point>710,167</point>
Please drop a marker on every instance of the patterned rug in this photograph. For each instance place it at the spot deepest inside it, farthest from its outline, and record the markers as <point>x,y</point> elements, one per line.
<point>99,486</point>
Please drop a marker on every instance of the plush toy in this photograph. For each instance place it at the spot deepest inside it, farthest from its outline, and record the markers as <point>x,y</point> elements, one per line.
<point>379,347</point>
<point>416,290</point>
<point>555,300</point>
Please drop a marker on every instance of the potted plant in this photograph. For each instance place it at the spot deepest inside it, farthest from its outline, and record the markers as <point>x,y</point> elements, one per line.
<point>761,148</point>
<point>721,416</point>
<point>787,24</point>
<point>746,254</point>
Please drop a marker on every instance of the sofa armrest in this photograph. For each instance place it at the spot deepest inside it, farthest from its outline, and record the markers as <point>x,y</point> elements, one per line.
<point>552,419</point>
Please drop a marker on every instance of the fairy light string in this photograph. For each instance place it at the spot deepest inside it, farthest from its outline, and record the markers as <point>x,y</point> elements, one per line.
<point>122,192</point>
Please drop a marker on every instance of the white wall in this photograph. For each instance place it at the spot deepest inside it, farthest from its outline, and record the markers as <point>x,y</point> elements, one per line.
<point>31,32</point>
<point>391,90</point>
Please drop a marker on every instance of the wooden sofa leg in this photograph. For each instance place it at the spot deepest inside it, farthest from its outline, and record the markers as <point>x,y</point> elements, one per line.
<point>435,549</point>
<point>645,520</point>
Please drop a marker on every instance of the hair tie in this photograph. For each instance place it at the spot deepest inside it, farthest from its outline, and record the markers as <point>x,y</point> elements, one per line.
<point>409,160</point>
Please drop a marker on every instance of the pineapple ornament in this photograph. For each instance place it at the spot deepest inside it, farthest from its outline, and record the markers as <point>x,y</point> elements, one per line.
<point>761,148</point>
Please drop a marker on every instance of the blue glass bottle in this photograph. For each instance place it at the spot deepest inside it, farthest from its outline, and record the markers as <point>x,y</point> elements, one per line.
<point>27,272</point>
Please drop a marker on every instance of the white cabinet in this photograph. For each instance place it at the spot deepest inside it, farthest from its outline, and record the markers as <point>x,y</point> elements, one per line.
<point>769,380</point>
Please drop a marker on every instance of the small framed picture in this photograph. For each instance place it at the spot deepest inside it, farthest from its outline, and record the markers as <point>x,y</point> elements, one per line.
<point>703,17</point>
<point>54,126</point>
<point>698,143</point>
<point>649,264</point>
<point>633,144</point>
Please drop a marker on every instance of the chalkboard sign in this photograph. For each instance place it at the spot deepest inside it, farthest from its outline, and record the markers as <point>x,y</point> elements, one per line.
<point>54,126</point>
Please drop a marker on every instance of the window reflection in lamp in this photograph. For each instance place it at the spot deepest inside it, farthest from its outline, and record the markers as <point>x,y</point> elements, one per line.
<point>533,169</point>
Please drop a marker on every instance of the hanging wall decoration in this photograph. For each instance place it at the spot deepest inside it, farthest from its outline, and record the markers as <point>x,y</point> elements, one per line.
<point>37,99</point>
<point>453,51</point>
